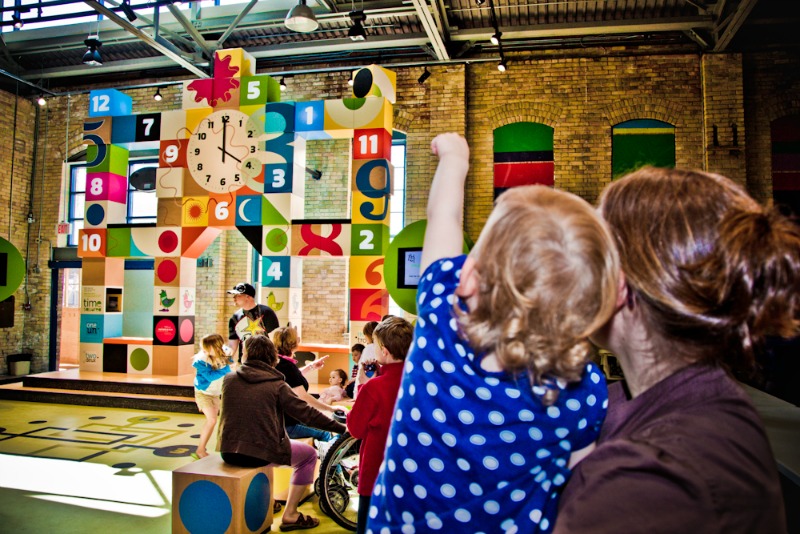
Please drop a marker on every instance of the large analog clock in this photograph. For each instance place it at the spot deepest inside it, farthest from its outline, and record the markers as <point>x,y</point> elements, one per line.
<point>223,151</point>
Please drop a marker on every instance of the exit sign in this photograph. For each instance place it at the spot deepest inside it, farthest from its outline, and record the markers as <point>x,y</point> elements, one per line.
<point>63,228</point>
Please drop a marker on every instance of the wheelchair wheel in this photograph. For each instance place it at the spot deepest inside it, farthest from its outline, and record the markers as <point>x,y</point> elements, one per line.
<point>338,482</point>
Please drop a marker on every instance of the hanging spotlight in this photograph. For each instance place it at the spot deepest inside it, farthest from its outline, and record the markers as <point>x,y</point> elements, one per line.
<point>495,39</point>
<point>157,97</point>
<point>424,76</point>
<point>41,101</point>
<point>352,79</point>
<point>17,19</point>
<point>479,3</point>
<point>128,10</point>
<point>92,55</point>
<point>502,66</point>
<point>283,84</point>
<point>301,19</point>
<point>357,31</point>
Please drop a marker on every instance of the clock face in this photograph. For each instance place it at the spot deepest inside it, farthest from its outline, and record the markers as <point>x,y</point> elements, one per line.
<point>223,151</point>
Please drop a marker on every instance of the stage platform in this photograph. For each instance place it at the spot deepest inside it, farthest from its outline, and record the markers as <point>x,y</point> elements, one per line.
<point>115,390</point>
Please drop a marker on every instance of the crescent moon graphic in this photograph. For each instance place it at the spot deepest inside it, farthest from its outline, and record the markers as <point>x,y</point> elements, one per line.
<point>241,209</point>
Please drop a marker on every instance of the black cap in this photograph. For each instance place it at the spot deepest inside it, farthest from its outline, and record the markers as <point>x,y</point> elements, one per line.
<point>243,289</point>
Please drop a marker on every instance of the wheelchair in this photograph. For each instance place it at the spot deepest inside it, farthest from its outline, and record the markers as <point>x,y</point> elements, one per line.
<point>337,484</point>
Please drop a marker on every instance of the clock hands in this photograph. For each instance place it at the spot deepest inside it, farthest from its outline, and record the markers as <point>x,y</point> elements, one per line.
<point>228,153</point>
<point>225,120</point>
<point>224,130</point>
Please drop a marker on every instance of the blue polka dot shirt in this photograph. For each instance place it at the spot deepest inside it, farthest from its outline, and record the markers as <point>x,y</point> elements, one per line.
<point>471,450</point>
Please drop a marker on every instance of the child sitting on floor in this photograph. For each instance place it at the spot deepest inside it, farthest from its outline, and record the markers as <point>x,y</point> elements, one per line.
<point>335,392</point>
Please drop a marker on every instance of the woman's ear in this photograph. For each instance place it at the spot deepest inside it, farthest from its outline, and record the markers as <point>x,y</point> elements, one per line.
<point>468,283</point>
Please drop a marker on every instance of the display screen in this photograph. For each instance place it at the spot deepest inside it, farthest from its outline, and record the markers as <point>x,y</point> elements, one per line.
<point>408,261</point>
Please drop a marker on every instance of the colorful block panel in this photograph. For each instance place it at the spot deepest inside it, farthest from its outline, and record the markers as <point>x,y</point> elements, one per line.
<point>366,272</point>
<point>90,357</point>
<point>259,90</point>
<point>369,239</point>
<point>173,125</point>
<point>139,359</point>
<point>175,272</point>
<point>92,243</point>
<point>119,242</point>
<point>276,271</point>
<point>375,81</point>
<point>233,63</point>
<point>368,304</point>
<point>109,102</point>
<point>107,158</point>
<point>320,238</point>
<point>173,330</point>
<point>280,117</point>
<point>172,360</point>
<point>641,142</point>
<point>97,131</point>
<point>372,144</point>
<point>103,272</point>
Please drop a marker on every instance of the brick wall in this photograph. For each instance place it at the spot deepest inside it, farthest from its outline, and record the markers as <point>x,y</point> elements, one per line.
<point>771,91</point>
<point>580,97</point>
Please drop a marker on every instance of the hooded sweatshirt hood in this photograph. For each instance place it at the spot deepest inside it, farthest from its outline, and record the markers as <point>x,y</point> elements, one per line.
<point>257,371</point>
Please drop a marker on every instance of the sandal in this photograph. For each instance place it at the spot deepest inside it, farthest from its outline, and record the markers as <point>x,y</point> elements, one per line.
<point>276,507</point>
<point>303,522</point>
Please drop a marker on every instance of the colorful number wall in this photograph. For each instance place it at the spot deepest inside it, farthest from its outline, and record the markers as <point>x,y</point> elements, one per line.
<point>233,157</point>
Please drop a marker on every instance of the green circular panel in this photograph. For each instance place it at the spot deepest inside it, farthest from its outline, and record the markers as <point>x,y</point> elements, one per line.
<point>276,240</point>
<point>12,269</point>
<point>410,237</point>
<point>140,359</point>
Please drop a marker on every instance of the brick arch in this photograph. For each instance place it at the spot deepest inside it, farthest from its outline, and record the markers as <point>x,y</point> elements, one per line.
<point>524,112</point>
<point>642,108</point>
<point>777,110</point>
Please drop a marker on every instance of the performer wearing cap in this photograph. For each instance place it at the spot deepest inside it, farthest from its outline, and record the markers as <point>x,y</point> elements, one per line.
<point>251,318</point>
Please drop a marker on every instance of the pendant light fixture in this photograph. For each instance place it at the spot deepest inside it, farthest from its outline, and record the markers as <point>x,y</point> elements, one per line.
<point>92,55</point>
<point>301,19</point>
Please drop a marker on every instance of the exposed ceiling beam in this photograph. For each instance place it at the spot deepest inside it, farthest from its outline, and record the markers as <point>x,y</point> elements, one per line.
<point>115,67</point>
<point>160,45</point>
<point>425,17</point>
<point>149,22</point>
<point>735,22</point>
<point>338,45</point>
<point>589,28</point>
<point>191,30</point>
<point>236,22</point>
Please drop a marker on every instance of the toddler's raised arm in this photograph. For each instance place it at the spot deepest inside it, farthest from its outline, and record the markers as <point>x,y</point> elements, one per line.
<point>444,234</point>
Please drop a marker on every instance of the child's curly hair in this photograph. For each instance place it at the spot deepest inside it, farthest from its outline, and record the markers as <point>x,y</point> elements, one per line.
<point>548,276</point>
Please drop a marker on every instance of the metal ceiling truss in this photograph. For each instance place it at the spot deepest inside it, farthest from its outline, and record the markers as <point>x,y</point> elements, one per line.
<point>401,30</point>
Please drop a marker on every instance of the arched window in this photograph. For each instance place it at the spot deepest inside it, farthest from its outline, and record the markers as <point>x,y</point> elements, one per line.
<point>523,155</point>
<point>641,142</point>
<point>786,163</point>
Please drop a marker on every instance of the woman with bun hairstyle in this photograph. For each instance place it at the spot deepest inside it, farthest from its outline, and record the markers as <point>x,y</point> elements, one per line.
<point>708,273</point>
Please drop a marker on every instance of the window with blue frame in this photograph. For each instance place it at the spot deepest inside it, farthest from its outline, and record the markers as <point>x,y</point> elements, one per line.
<point>142,204</point>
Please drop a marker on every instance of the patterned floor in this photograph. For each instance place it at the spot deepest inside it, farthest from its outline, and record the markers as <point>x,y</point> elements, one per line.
<point>70,468</point>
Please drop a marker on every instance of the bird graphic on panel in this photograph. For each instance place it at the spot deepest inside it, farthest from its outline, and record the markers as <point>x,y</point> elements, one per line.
<point>165,302</point>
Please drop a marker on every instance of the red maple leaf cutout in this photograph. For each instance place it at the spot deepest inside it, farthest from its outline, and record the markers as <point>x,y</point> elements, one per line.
<point>224,82</point>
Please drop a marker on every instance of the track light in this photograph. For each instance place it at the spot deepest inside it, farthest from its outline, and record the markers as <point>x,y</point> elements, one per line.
<point>301,19</point>
<point>92,55</point>
<point>17,19</point>
<point>41,101</point>
<point>357,31</point>
<point>424,76</point>
<point>157,97</point>
<point>479,3</point>
<point>283,84</point>
<point>128,10</point>
<point>502,66</point>
<point>352,79</point>
<point>495,39</point>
